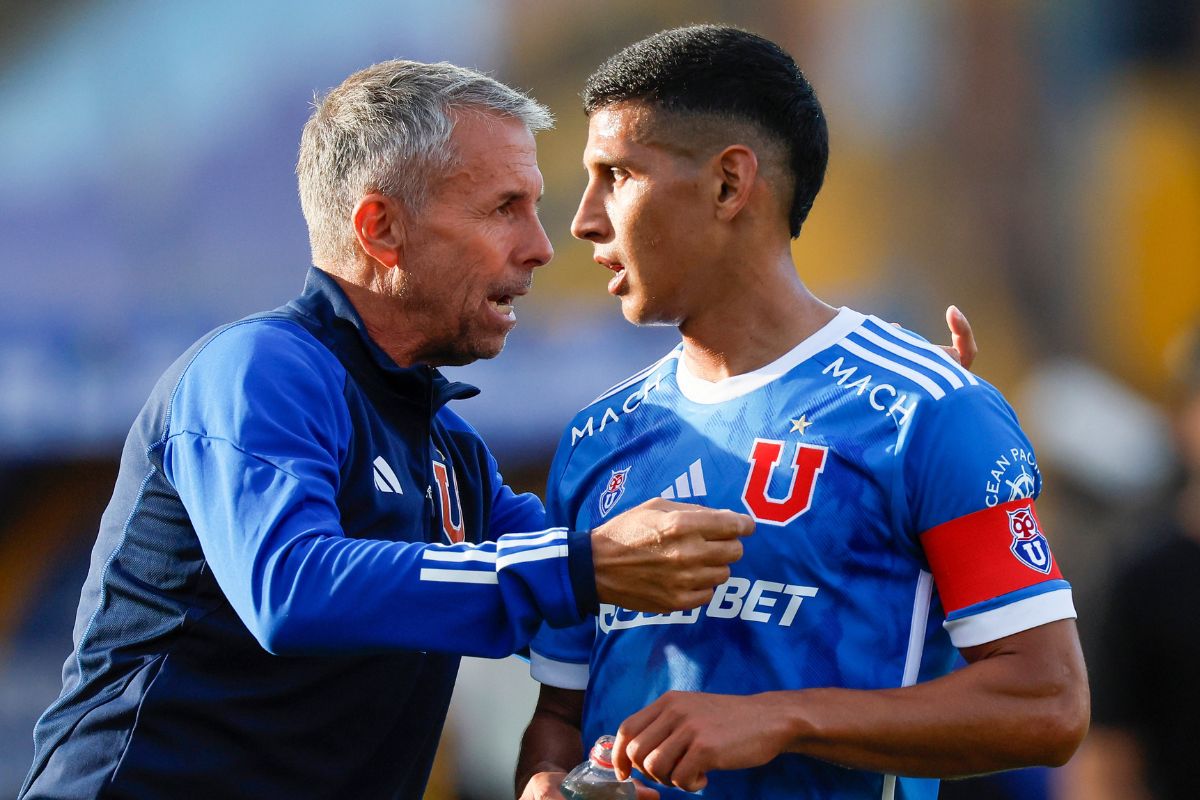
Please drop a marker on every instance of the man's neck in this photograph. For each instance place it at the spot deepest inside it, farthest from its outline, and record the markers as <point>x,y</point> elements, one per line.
<point>381,317</point>
<point>760,315</point>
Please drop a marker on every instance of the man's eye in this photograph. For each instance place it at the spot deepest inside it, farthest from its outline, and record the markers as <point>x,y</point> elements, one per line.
<point>618,174</point>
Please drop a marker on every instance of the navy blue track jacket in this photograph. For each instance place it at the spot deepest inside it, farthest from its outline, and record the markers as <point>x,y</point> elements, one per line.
<point>301,543</point>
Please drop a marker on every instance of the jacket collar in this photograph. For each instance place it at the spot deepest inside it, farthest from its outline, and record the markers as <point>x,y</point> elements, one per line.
<point>324,302</point>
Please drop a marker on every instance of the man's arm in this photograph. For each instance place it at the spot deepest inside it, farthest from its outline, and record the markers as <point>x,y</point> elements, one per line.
<point>551,746</point>
<point>1022,700</point>
<point>259,482</point>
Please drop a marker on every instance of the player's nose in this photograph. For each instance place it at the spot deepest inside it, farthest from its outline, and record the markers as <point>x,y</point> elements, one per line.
<point>591,221</point>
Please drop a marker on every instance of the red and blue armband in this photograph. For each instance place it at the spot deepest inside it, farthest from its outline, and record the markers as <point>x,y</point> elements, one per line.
<point>995,574</point>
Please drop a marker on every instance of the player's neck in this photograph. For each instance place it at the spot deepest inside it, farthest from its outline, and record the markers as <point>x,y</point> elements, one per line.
<point>759,316</point>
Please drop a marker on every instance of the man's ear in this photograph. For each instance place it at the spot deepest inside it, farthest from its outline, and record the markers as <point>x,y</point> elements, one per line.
<point>379,228</point>
<point>736,171</point>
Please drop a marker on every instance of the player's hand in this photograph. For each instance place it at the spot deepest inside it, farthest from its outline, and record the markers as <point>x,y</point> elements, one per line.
<point>962,339</point>
<point>962,347</point>
<point>679,737</point>
<point>663,556</point>
<point>544,786</point>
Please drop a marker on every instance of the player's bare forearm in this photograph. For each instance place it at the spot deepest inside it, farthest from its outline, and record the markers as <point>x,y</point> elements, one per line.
<point>552,740</point>
<point>1022,700</point>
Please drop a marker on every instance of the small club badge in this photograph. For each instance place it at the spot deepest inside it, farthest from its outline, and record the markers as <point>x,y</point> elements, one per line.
<point>1029,544</point>
<point>613,491</point>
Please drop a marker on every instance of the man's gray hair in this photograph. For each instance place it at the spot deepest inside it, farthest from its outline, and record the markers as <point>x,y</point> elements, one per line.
<point>387,129</point>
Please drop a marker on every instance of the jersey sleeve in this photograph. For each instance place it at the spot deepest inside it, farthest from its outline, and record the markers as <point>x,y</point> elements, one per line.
<point>257,431</point>
<point>971,481</point>
<point>560,657</point>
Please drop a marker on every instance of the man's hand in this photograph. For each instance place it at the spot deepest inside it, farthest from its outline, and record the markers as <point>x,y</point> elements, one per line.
<point>662,556</point>
<point>962,339</point>
<point>544,786</point>
<point>682,735</point>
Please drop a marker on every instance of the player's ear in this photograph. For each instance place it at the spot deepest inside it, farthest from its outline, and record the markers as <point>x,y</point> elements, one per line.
<point>379,228</point>
<point>736,172</point>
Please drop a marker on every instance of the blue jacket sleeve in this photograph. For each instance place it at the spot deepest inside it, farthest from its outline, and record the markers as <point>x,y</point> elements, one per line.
<point>256,433</point>
<point>561,657</point>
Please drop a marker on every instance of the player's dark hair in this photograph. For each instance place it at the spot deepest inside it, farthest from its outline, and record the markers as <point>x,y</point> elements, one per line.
<point>727,72</point>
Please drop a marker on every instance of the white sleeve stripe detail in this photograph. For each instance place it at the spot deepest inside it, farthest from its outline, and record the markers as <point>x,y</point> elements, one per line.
<point>460,555</point>
<point>461,547</point>
<point>916,358</point>
<point>459,576</point>
<point>555,535</point>
<point>916,632</point>
<point>1022,615</point>
<point>561,674</point>
<point>645,373</point>
<point>933,348</point>
<point>925,383</point>
<point>540,554</point>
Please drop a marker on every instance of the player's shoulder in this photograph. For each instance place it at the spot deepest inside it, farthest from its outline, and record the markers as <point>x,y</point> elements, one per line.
<point>621,398</point>
<point>888,364</point>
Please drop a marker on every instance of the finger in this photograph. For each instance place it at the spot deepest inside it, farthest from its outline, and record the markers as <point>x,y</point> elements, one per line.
<point>961,336</point>
<point>720,553</point>
<point>690,771</point>
<point>661,762</point>
<point>644,792</point>
<point>646,753</point>
<point>631,727</point>
<point>717,523</point>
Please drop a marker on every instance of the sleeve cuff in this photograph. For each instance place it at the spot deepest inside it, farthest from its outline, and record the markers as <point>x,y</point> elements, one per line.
<point>582,572</point>
<point>996,623</point>
<point>561,674</point>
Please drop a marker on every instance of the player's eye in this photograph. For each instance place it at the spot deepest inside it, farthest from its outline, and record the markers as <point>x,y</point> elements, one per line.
<point>618,174</point>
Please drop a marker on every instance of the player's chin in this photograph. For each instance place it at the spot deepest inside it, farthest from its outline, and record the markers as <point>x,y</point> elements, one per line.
<point>639,311</point>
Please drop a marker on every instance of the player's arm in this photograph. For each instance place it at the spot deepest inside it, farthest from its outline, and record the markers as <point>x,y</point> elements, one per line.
<point>552,743</point>
<point>551,746</point>
<point>1022,700</point>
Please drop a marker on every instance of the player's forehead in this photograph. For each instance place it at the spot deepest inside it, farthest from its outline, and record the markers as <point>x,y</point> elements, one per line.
<point>627,129</point>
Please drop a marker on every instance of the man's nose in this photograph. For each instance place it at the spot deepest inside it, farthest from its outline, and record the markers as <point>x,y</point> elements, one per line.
<point>591,220</point>
<point>541,251</point>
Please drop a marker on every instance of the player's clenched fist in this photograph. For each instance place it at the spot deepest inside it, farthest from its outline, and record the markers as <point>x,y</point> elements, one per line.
<point>663,556</point>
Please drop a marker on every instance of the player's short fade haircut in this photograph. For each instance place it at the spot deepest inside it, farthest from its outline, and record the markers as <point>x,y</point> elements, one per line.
<point>387,129</point>
<point>731,74</point>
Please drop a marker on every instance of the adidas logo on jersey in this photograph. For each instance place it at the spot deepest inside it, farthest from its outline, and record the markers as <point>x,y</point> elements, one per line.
<point>689,484</point>
<point>385,477</point>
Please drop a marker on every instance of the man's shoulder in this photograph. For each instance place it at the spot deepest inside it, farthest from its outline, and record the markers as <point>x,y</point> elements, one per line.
<point>874,353</point>
<point>620,399</point>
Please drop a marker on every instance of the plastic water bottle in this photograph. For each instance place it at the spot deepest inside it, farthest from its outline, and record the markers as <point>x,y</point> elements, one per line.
<point>595,778</point>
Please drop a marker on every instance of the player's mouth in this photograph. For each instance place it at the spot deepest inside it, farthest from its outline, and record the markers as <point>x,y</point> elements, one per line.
<point>617,283</point>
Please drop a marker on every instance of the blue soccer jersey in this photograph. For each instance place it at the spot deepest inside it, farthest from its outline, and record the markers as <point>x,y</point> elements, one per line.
<point>893,492</point>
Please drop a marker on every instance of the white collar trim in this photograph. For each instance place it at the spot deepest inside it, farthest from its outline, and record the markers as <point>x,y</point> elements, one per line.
<point>699,390</point>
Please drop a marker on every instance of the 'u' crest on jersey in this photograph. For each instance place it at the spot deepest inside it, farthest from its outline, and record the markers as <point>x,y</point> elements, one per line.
<point>807,464</point>
<point>452,519</point>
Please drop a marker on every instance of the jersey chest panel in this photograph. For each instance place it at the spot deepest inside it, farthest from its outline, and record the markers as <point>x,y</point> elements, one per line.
<point>828,575</point>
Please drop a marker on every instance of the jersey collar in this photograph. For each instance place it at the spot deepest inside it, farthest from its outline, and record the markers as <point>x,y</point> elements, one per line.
<point>325,302</point>
<point>705,392</point>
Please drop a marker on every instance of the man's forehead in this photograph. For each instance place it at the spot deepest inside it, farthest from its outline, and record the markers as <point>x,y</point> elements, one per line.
<point>492,147</point>
<point>633,125</point>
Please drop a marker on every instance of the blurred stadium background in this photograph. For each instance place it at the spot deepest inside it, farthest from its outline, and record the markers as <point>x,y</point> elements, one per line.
<point>1037,163</point>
